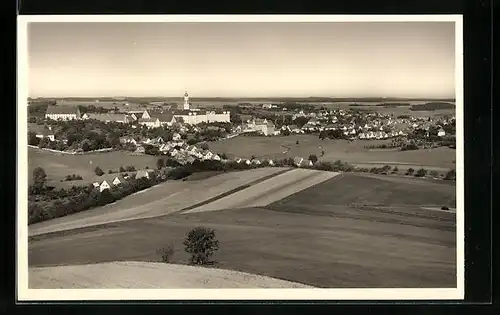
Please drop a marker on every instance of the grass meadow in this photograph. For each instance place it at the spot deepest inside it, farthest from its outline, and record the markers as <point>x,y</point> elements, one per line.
<point>329,235</point>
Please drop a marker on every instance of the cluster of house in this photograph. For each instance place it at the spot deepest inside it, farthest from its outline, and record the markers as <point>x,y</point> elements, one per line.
<point>149,118</point>
<point>353,125</point>
<point>120,179</point>
<point>177,149</point>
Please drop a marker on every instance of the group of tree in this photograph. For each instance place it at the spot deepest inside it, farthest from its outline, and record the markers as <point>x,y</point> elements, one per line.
<point>60,202</point>
<point>331,134</point>
<point>95,109</point>
<point>167,162</point>
<point>200,243</point>
<point>73,177</point>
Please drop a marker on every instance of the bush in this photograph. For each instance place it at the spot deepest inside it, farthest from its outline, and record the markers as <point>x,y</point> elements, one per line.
<point>160,163</point>
<point>201,244</point>
<point>179,173</point>
<point>166,253</point>
<point>395,169</point>
<point>410,171</point>
<point>409,147</point>
<point>122,169</point>
<point>445,208</point>
<point>421,172</point>
<point>130,168</point>
<point>451,175</point>
<point>434,174</point>
<point>313,158</point>
<point>98,171</point>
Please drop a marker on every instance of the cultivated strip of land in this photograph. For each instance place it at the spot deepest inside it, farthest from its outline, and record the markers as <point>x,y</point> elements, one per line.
<point>268,191</point>
<point>235,190</point>
<point>160,200</point>
<point>142,275</point>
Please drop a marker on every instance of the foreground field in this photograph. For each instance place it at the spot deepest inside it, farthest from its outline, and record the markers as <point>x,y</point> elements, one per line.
<point>158,200</point>
<point>140,275</point>
<point>352,152</point>
<point>57,166</point>
<point>336,234</point>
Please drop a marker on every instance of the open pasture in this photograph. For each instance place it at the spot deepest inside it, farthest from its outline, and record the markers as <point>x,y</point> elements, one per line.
<point>162,199</point>
<point>366,193</point>
<point>58,165</point>
<point>316,237</point>
<point>141,275</point>
<point>280,147</point>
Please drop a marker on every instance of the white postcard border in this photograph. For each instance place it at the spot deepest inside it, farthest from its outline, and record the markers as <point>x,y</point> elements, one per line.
<point>26,294</point>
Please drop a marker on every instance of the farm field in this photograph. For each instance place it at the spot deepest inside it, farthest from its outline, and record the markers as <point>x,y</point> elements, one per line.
<point>353,230</point>
<point>352,152</point>
<point>58,166</point>
<point>148,275</point>
<point>268,191</point>
<point>158,200</point>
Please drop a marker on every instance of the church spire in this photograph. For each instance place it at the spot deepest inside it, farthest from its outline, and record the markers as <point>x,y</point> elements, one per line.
<point>186,101</point>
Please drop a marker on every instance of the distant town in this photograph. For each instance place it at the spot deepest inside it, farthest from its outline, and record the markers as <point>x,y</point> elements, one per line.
<point>191,134</point>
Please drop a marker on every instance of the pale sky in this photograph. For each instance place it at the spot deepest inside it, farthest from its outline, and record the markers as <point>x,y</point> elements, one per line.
<point>335,59</point>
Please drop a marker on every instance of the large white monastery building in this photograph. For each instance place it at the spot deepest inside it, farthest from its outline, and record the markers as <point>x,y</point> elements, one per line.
<point>186,115</point>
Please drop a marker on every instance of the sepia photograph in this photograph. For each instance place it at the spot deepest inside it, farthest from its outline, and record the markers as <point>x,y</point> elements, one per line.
<point>240,157</point>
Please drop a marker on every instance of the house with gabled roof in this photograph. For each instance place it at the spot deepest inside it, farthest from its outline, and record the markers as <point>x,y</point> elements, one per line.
<point>207,155</point>
<point>42,132</point>
<point>255,161</point>
<point>146,173</point>
<point>298,161</point>
<point>104,185</point>
<point>106,117</point>
<point>165,118</point>
<point>216,157</point>
<point>140,149</point>
<point>149,122</point>
<point>63,113</point>
<point>176,136</point>
<point>118,180</point>
<point>174,152</point>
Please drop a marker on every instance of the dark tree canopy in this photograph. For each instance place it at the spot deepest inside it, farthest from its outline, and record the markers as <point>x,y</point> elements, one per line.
<point>39,176</point>
<point>201,243</point>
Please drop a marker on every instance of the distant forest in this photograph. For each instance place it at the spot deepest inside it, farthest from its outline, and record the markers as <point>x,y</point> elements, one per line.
<point>432,106</point>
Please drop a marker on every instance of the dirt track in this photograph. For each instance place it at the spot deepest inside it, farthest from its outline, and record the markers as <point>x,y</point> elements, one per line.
<point>141,275</point>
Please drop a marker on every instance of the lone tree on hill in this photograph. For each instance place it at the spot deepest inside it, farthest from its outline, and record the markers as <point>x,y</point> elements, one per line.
<point>201,243</point>
<point>98,171</point>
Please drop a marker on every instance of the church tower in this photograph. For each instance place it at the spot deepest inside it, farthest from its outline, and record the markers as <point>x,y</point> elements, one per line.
<point>186,101</point>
